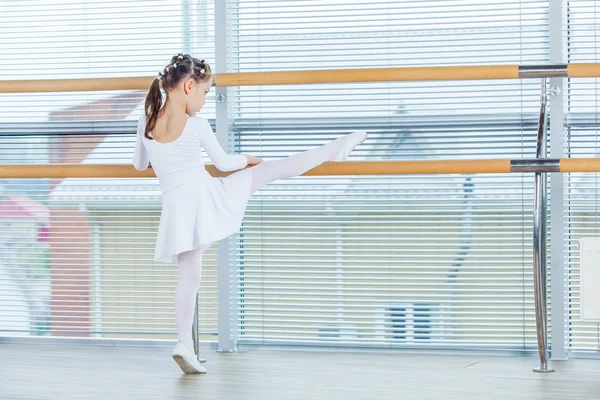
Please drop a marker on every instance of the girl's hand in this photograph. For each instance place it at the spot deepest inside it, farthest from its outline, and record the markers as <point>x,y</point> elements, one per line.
<point>253,160</point>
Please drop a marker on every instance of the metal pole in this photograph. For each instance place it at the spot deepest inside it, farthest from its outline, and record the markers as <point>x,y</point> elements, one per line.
<point>195,334</point>
<point>558,304</point>
<point>539,241</point>
<point>227,325</point>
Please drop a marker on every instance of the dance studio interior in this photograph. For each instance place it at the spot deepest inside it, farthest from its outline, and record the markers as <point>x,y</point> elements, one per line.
<point>384,199</point>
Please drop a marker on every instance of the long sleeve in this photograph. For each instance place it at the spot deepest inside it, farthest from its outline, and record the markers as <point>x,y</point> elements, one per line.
<point>223,161</point>
<point>141,160</point>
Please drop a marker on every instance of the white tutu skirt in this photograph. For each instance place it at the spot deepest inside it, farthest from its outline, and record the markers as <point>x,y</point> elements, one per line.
<point>196,215</point>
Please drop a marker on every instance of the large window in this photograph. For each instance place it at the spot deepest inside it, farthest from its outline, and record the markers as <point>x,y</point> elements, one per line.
<point>369,261</point>
<point>581,139</point>
<point>76,254</point>
<point>428,261</point>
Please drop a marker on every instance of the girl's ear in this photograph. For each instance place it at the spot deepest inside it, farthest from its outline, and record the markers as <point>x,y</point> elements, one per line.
<point>188,85</point>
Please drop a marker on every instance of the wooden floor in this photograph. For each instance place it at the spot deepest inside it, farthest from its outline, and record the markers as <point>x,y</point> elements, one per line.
<point>85,372</point>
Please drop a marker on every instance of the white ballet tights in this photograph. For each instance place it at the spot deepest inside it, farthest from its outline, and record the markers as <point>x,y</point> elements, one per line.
<point>190,275</point>
<point>294,165</point>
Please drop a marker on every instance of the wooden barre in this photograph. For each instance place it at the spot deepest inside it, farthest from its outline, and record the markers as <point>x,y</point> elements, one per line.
<point>429,167</point>
<point>450,73</point>
<point>75,85</point>
<point>369,75</point>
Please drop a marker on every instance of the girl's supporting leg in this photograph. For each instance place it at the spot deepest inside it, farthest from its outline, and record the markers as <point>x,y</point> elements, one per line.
<point>190,275</point>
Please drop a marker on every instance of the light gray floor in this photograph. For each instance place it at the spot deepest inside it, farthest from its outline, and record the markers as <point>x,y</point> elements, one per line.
<point>85,372</point>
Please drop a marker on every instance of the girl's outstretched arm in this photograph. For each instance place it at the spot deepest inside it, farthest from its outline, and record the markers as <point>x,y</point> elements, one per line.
<point>223,161</point>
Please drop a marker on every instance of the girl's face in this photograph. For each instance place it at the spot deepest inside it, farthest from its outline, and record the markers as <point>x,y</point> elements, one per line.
<point>195,94</point>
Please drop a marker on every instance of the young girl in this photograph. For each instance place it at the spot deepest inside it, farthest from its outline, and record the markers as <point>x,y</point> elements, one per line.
<point>198,209</point>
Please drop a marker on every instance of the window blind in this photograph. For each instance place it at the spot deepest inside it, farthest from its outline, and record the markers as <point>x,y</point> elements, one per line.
<point>581,197</point>
<point>76,254</point>
<point>395,261</point>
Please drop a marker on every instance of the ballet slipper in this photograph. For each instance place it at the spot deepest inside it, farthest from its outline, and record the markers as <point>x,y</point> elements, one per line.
<point>186,359</point>
<point>351,141</point>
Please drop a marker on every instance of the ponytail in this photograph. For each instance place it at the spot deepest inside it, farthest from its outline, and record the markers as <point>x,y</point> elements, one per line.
<point>154,101</point>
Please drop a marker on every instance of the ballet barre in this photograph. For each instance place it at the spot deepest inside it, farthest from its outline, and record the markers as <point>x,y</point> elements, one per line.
<point>421,167</point>
<point>450,73</point>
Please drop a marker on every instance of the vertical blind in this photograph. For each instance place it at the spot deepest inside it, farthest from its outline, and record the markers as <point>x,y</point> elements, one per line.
<point>76,254</point>
<point>582,190</point>
<point>395,261</point>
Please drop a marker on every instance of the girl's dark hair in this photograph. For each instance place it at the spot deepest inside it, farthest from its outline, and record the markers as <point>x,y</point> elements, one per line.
<point>181,67</point>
